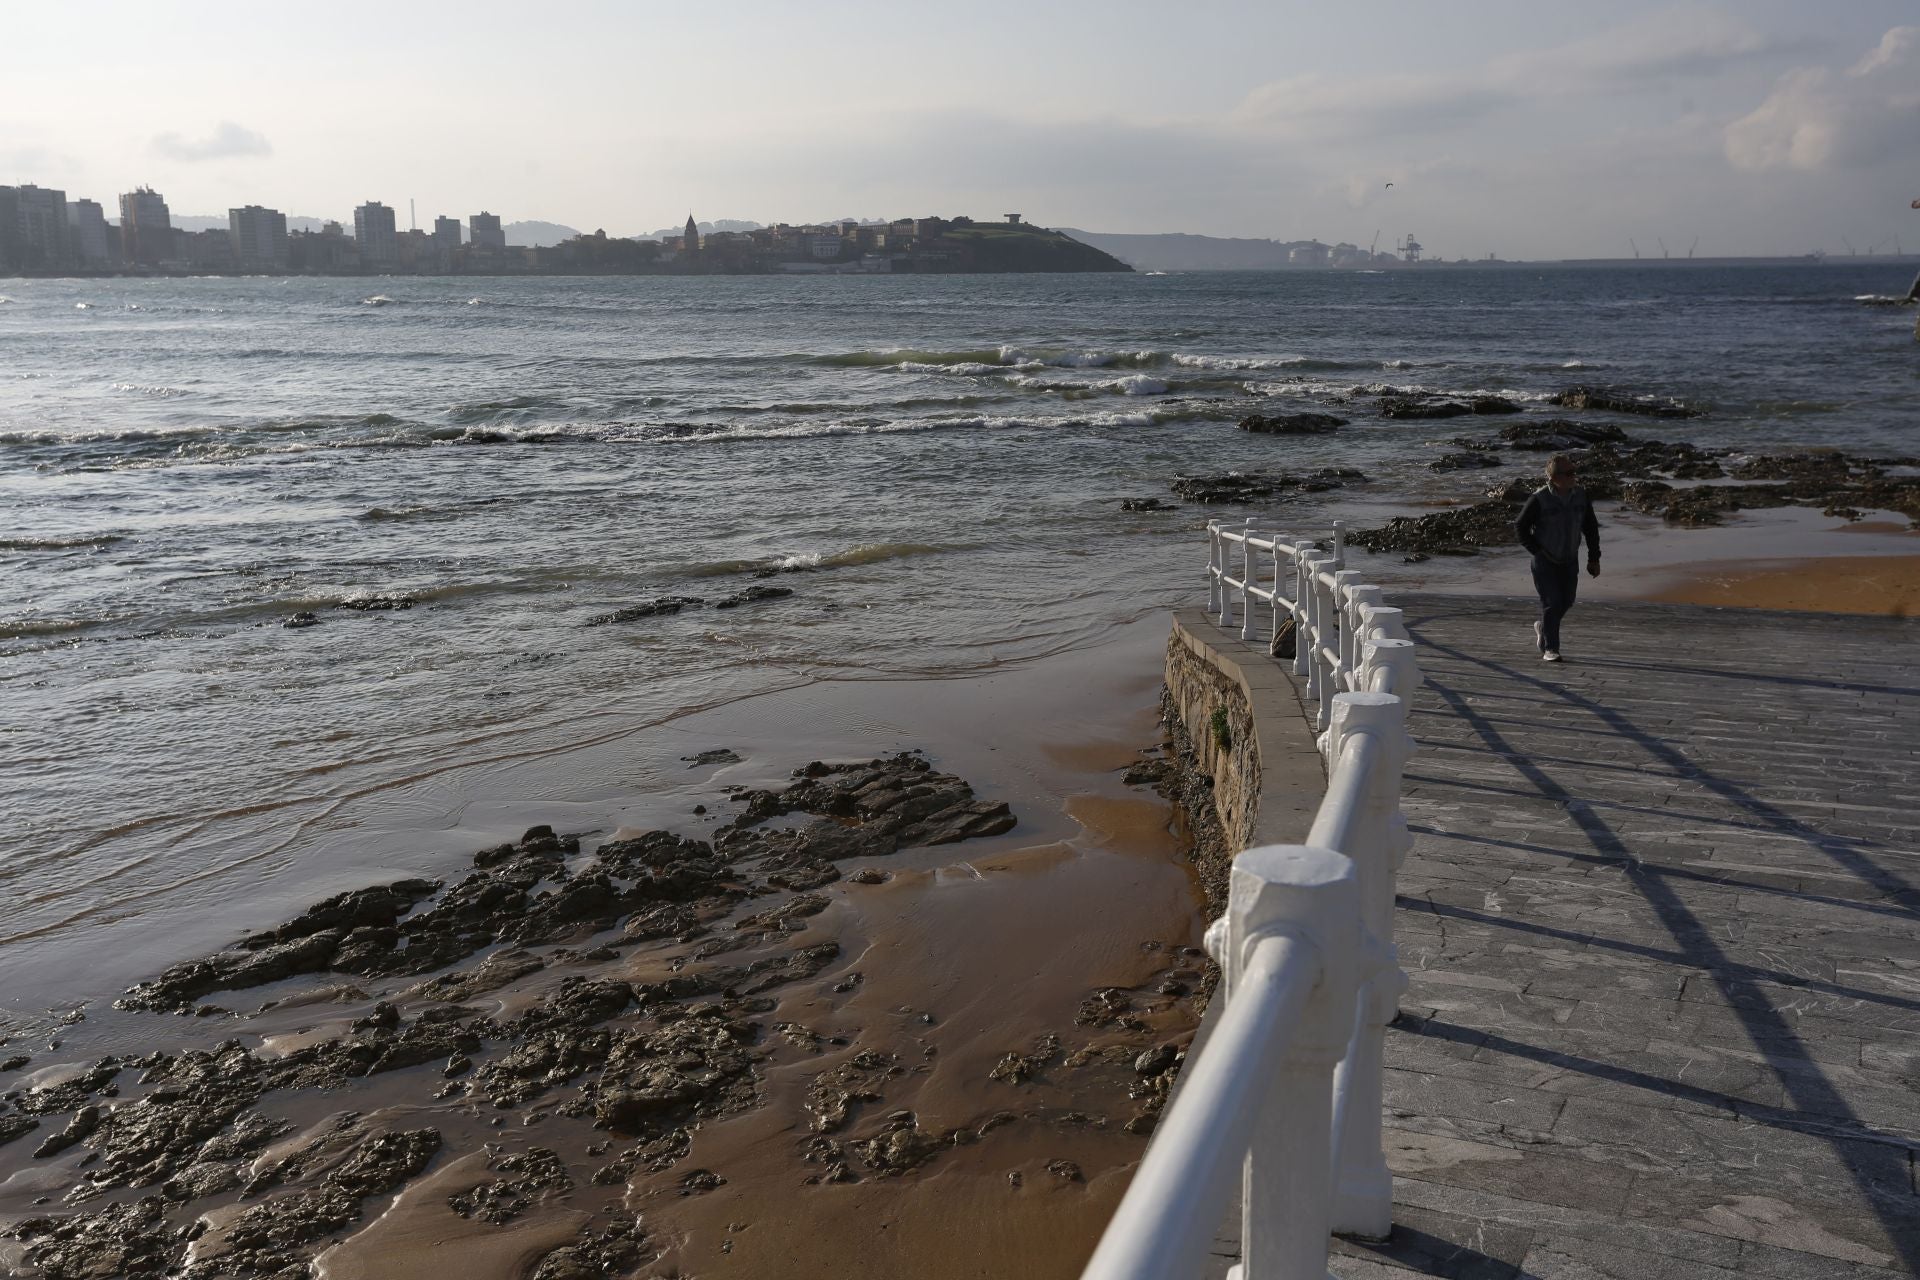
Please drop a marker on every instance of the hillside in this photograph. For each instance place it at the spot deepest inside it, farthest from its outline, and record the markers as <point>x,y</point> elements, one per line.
<point>996,247</point>
<point>1181,252</point>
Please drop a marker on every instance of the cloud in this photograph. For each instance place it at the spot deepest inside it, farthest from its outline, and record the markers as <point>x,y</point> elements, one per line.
<point>1680,46</point>
<point>1818,119</point>
<point>226,142</point>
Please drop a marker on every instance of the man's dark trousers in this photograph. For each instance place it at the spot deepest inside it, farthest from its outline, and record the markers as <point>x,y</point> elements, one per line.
<point>1557,585</point>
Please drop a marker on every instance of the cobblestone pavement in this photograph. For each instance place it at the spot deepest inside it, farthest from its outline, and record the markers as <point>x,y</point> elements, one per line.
<point>1662,925</point>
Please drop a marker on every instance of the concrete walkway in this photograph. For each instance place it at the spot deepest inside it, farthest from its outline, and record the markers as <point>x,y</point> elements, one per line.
<point>1662,921</point>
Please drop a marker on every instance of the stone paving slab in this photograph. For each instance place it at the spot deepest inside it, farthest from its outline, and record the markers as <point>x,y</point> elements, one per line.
<point>1662,925</point>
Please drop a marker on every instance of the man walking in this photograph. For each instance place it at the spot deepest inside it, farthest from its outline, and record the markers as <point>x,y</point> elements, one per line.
<point>1551,525</point>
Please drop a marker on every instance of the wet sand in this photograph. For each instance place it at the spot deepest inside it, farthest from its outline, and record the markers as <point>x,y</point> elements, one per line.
<point>959,956</point>
<point>1886,586</point>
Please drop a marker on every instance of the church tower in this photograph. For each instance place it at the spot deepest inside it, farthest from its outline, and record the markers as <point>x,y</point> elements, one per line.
<point>690,239</point>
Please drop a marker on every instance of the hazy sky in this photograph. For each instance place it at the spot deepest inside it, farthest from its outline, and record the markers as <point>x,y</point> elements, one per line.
<point>1524,127</point>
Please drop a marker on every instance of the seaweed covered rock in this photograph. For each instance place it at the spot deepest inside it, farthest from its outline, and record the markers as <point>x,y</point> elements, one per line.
<point>1615,401</point>
<point>1292,424</point>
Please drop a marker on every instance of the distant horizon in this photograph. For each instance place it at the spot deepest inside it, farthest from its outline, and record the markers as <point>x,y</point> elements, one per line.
<point>1766,128</point>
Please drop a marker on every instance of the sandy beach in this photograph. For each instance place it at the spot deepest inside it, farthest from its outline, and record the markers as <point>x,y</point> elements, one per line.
<point>969,1014</point>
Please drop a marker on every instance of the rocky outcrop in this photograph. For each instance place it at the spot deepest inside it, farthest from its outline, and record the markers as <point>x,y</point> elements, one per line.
<point>1614,401</point>
<point>1292,424</point>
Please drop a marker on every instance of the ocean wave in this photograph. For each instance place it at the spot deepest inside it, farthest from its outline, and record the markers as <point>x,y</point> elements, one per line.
<point>83,306</point>
<point>61,544</point>
<point>22,628</point>
<point>1134,384</point>
<point>105,435</point>
<point>377,300</point>
<point>805,561</point>
<point>904,356</point>
<point>151,390</point>
<point>1251,364</point>
<point>1007,355</point>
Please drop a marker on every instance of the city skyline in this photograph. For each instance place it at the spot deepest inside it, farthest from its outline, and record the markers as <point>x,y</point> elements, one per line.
<point>1526,130</point>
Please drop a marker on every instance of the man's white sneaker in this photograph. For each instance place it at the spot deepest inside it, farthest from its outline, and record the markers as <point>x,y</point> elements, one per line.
<point>1550,655</point>
<point>1540,637</point>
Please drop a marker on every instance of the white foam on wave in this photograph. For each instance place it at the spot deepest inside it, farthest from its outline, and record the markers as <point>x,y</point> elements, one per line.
<point>1134,384</point>
<point>965,369</point>
<point>105,435</point>
<point>149,390</point>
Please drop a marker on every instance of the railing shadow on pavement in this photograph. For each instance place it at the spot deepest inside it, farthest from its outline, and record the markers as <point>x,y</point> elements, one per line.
<point>1746,1109</point>
<point>1766,1026</point>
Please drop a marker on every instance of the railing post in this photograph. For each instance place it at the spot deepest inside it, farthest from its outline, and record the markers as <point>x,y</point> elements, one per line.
<point>1226,592</point>
<point>1339,544</point>
<point>1326,606</point>
<point>1213,568</point>
<point>1363,1203</point>
<point>1391,666</point>
<point>1312,598</point>
<point>1383,622</point>
<point>1302,656</point>
<point>1246,580</point>
<point>1288,1187</point>
<point>1355,595</point>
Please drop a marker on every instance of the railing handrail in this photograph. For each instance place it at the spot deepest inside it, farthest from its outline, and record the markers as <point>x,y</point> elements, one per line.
<point>1156,1231</point>
<point>1289,1085</point>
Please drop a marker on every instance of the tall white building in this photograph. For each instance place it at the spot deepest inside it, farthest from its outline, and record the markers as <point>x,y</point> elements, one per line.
<point>374,230</point>
<point>259,238</point>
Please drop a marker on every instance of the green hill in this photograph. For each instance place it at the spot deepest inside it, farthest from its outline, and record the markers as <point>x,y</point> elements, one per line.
<point>1018,247</point>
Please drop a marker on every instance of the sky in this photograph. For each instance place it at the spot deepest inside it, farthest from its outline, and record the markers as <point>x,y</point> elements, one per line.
<point>1535,129</point>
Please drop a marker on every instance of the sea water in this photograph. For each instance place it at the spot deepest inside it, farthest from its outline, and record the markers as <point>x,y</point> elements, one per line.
<point>933,465</point>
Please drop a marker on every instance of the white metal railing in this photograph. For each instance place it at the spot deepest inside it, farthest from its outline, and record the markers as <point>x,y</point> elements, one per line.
<point>1286,1092</point>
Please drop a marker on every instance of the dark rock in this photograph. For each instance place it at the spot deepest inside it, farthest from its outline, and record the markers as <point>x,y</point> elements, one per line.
<point>1464,460</point>
<point>1623,402</point>
<point>1064,1169</point>
<point>1292,424</point>
<point>305,618</point>
<point>12,1127</point>
<point>369,604</point>
<point>713,755</point>
<point>1455,531</point>
<point>833,1094</point>
<point>523,1178</point>
<point>81,1127</point>
<point>664,605</point>
<point>1147,504</point>
<point>1421,407</point>
<point>1492,404</point>
<point>752,595</point>
<point>1559,435</point>
<point>1151,1062</point>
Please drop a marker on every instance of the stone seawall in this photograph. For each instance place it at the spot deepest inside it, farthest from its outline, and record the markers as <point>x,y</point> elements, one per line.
<point>1242,731</point>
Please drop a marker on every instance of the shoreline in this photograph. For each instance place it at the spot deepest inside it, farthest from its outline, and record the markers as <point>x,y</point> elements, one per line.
<point>934,1033</point>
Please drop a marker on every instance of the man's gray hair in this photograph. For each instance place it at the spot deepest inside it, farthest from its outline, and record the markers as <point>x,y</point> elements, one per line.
<point>1559,462</point>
